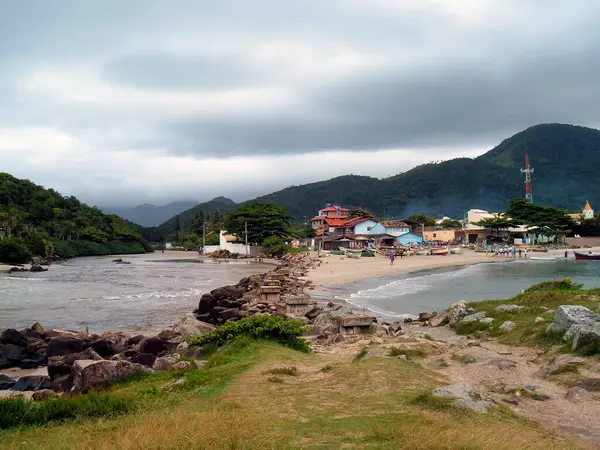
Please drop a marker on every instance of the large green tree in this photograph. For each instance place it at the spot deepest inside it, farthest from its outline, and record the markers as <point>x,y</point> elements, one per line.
<point>421,219</point>
<point>548,219</point>
<point>263,220</point>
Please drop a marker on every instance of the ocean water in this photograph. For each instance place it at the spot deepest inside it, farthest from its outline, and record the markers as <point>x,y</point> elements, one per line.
<point>97,293</point>
<point>434,290</point>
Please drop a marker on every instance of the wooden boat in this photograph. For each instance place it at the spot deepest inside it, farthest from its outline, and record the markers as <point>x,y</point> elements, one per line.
<point>589,256</point>
<point>540,250</point>
<point>353,255</point>
<point>422,252</point>
<point>455,250</point>
<point>440,252</point>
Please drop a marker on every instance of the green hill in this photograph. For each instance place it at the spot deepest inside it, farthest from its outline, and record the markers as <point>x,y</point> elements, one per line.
<point>41,222</point>
<point>219,204</point>
<point>565,159</point>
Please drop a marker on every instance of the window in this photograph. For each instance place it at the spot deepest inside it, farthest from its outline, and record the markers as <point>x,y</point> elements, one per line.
<point>434,235</point>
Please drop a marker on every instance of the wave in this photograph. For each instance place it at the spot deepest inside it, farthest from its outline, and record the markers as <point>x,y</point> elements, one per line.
<point>8,277</point>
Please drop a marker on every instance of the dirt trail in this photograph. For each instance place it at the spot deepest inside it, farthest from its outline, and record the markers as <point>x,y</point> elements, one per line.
<point>498,366</point>
<point>496,369</point>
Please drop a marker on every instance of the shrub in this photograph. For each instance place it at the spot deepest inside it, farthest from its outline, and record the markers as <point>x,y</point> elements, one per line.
<point>13,251</point>
<point>565,284</point>
<point>276,246</point>
<point>15,412</point>
<point>361,354</point>
<point>285,332</point>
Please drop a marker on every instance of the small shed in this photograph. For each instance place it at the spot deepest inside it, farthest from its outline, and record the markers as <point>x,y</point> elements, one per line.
<point>409,238</point>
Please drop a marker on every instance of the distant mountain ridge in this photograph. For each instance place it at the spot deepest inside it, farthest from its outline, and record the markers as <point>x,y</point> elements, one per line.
<point>149,215</point>
<point>566,159</point>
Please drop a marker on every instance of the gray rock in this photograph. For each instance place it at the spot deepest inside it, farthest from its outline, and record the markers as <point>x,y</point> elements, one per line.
<point>577,395</point>
<point>182,365</point>
<point>587,339</point>
<point>487,320</point>
<point>552,329</point>
<point>589,384</point>
<point>200,363</point>
<point>508,308</point>
<point>568,315</point>
<point>564,363</point>
<point>539,320</point>
<point>6,382</point>
<point>465,396</point>
<point>508,325</point>
<point>502,363</point>
<point>42,395</point>
<point>90,374</point>
<point>514,400</point>
<point>457,312</point>
<point>32,383</point>
<point>173,384</point>
<point>474,317</point>
<point>440,319</point>
<point>164,363</point>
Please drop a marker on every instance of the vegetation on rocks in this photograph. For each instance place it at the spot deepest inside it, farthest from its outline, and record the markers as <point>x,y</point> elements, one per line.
<point>41,222</point>
<point>538,301</point>
<point>272,328</point>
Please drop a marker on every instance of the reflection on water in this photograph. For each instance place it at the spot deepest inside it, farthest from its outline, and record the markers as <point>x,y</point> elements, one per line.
<point>99,294</point>
<point>432,290</point>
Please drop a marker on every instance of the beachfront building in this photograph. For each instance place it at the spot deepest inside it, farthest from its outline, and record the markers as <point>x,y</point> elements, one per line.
<point>443,234</point>
<point>588,211</point>
<point>409,239</point>
<point>329,216</point>
<point>395,228</point>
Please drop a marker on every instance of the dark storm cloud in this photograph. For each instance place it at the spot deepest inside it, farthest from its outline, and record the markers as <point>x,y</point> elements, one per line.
<point>189,80</point>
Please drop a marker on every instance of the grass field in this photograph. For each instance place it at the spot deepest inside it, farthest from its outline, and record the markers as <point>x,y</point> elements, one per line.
<point>331,401</point>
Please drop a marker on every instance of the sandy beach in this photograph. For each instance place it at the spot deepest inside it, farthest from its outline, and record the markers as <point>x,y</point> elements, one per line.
<point>337,270</point>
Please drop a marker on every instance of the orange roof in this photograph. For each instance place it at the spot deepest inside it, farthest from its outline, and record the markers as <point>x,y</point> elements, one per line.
<point>333,208</point>
<point>587,207</point>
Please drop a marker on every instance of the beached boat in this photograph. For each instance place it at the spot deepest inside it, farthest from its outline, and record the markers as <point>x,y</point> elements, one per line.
<point>353,255</point>
<point>455,250</point>
<point>422,252</point>
<point>540,250</point>
<point>440,252</point>
<point>589,256</point>
<point>547,258</point>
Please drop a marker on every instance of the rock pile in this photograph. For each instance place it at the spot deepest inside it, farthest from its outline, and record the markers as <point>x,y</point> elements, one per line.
<point>579,324</point>
<point>77,361</point>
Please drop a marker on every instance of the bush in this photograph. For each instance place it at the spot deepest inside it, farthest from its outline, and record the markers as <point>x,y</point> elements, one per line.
<point>565,284</point>
<point>16,412</point>
<point>285,332</point>
<point>13,251</point>
<point>276,246</point>
<point>72,249</point>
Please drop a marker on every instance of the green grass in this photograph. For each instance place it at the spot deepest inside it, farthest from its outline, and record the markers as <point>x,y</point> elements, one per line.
<point>410,353</point>
<point>361,354</point>
<point>536,302</point>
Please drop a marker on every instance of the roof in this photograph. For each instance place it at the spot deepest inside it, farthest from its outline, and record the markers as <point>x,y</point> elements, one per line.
<point>409,232</point>
<point>587,207</point>
<point>330,216</point>
<point>333,209</point>
<point>395,224</point>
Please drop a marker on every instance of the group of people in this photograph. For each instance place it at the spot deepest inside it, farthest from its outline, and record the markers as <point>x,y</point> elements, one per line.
<point>508,251</point>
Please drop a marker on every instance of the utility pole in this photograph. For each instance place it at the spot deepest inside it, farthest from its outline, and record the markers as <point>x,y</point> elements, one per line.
<point>203,235</point>
<point>246,233</point>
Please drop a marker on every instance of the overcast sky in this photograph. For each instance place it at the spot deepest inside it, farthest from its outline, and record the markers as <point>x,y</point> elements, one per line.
<point>123,102</point>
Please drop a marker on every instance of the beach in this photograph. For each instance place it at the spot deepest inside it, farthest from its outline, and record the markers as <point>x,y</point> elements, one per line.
<point>336,270</point>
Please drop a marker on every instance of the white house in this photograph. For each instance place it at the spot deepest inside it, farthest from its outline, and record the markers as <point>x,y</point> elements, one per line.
<point>395,228</point>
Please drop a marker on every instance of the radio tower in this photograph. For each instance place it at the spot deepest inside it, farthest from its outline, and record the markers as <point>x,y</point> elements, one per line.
<point>528,170</point>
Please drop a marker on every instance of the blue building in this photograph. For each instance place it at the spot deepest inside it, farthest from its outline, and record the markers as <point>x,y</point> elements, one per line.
<point>409,238</point>
<point>366,226</point>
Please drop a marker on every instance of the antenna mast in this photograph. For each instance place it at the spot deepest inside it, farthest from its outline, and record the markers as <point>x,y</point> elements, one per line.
<point>528,170</point>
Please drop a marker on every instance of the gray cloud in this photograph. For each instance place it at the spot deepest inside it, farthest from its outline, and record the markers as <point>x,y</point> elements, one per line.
<point>201,83</point>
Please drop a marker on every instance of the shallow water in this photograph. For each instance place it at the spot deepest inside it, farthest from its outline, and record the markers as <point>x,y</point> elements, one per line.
<point>431,290</point>
<point>97,293</point>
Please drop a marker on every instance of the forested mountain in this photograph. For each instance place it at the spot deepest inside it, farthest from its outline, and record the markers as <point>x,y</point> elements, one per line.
<point>37,221</point>
<point>566,159</point>
<point>184,220</point>
<point>148,215</point>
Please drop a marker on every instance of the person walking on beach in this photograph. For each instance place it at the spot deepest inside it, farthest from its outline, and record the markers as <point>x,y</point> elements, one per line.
<point>392,256</point>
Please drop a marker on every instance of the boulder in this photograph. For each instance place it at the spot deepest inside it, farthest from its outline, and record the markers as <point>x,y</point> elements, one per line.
<point>134,340</point>
<point>440,319</point>
<point>182,365</point>
<point>44,394</point>
<point>487,320</point>
<point>457,312</point>
<point>32,383</point>
<point>145,359</point>
<point>164,363</point>
<point>4,363</point>
<point>465,396</point>
<point>587,340</point>
<point>206,304</point>
<point>568,315</point>
<point>539,320</point>
<point>508,308</point>
<point>92,374</point>
<point>589,384</point>
<point>508,325</point>
<point>38,328</point>
<point>102,347</point>
<point>189,326</point>
<point>64,383</point>
<point>474,317</point>
<point>12,353</point>
<point>37,268</point>
<point>28,363</point>
<point>31,335</point>
<point>227,292</point>
<point>314,312</point>
<point>90,353</point>
<point>11,336</point>
<point>564,363</point>
<point>156,346</point>
<point>577,395</point>
<point>424,316</point>
<point>61,365</point>
<point>230,303</point>
<point>224,314</point>
<point>64,345</point>
<point>6,382</point>
<point>326,322</point>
